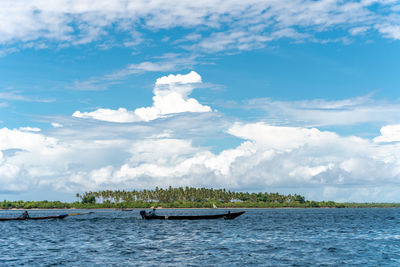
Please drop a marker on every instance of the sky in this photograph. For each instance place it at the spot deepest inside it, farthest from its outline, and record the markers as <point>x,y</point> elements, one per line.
<point>294,96</point>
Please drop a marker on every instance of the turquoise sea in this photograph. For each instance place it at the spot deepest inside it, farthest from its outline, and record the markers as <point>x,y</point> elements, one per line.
<point>260,237</point>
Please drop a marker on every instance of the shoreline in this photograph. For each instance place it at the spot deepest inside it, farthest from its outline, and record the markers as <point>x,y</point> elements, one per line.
<point>232,208</point>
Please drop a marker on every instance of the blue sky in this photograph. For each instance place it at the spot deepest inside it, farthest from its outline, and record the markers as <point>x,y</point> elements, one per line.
<point>288,96</point>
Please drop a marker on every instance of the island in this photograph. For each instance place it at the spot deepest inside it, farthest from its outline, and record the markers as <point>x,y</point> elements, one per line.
<point>184,197</point>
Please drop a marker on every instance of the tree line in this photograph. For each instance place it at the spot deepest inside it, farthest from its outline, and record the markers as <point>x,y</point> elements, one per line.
<point>187,194</point>
<point>187,197</point>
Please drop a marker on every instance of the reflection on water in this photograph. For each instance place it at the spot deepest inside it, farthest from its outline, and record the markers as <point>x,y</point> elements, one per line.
<point>260,237</point>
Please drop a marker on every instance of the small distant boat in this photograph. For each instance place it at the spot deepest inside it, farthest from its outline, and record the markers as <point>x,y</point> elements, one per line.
<point>43,217</point>
<point>34,218</point>
<point>126,209</point>
<point>226,216</point>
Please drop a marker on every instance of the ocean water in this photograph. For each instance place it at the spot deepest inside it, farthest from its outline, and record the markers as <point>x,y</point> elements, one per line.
<point>260,237</point>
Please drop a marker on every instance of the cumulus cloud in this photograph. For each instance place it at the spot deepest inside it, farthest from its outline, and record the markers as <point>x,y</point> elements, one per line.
<point>170,96</point>
<point>18,162</point>
<point>192,77</point>
<point>320,164</point>
<point>119,115</point>
<point>269,157</point>
<point>36,160</point>
<point>389,133</point>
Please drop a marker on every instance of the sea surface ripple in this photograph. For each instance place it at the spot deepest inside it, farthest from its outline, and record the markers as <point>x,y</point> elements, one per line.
<point>260,237</point>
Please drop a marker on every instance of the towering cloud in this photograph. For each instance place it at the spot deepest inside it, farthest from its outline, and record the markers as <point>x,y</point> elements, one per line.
<point>171,95</point>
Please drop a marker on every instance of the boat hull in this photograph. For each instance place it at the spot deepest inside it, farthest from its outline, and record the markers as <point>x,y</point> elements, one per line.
<point>226,216</point>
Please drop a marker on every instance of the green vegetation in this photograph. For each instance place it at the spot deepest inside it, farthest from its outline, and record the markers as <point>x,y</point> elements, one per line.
<point>187,197</point>
<point>188,194</point>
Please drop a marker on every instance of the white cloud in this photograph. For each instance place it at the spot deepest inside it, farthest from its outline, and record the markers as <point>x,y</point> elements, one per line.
<point>29,129</point>
<point>359,30</point>
<point>18,96</point>
<point>171,79</point>
<point>167,62</point>
<point>7,51</point>
<point>320,164</point>
<point>390,31</point>
<point>17,139</point>
<point>272,136</point>
<point>389,133</point>
<point>230,40</point>
<point>170,96</point>
<point>56,125</point>
<point>31,151</point>
<point>264,160</point>
<point>320,112</point>
<point>235,24</point>
<point>119,115</point>
<point>309,172</point>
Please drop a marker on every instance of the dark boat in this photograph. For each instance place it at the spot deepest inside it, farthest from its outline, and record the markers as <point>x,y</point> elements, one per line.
<point>226,216</point>
<point>126,209</point>
<point>34,218</point>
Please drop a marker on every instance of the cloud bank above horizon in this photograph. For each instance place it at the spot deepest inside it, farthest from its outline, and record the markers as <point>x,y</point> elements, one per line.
<point>114,152</point>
